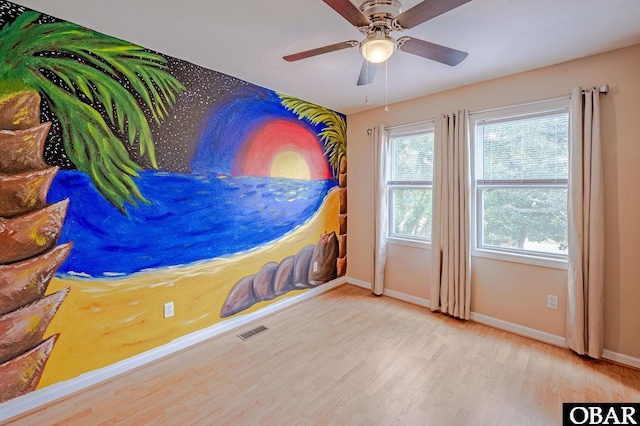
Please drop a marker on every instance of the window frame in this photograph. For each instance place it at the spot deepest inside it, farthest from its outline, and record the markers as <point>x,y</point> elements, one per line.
<point>501,115</point>
<point>404,131</point>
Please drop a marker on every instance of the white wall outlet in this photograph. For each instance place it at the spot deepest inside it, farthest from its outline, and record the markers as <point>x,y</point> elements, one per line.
<point>552,301</point>
<point>168,309</point>
<point>315,266</point>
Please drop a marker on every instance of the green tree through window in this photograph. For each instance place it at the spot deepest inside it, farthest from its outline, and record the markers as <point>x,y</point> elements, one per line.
<point>410,184</point>
<point>521,174</point>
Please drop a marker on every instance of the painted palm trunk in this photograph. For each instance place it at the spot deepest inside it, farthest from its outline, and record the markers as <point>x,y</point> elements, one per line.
<point>29,257</point>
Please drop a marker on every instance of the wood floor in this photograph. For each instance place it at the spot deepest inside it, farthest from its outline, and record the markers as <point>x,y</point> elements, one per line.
<point>348,357</point>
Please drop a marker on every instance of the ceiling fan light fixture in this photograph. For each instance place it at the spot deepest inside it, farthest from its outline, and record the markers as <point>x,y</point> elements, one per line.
<point>378,47</point>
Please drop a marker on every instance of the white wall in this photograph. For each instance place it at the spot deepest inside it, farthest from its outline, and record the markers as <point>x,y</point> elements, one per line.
<point>510,291</point>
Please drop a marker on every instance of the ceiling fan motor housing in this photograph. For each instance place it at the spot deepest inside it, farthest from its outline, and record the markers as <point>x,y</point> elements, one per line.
<point>381,13</point>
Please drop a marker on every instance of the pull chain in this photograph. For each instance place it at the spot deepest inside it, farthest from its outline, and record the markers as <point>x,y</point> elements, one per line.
<point>386,85</point>
<point>366,83</point>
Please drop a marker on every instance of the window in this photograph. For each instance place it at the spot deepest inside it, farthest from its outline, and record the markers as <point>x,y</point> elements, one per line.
<point>521,173</point>
<point>410,182</point>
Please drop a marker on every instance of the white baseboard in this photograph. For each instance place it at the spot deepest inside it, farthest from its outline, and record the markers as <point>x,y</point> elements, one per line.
<point>520,330</point>
<point>46,395</point>
<point>552,339</point>
<point>621,358</point>
<point>359,283</point>
<point>408,298</point>
<point>392,293</point>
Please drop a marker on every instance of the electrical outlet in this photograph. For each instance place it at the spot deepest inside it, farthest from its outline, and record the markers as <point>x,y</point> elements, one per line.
<point>552,301</point>
<point>315,266</point>
<point>168,309</point>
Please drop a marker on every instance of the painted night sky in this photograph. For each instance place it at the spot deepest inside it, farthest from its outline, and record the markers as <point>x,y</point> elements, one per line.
<point>216,119</point>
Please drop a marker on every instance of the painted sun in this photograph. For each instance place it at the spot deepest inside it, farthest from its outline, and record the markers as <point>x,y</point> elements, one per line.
<point>284,149</point>
<point>291,165</point>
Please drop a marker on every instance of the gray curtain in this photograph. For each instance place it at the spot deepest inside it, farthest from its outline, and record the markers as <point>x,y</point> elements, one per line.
<point>450,251</point>
<point>585,302</point>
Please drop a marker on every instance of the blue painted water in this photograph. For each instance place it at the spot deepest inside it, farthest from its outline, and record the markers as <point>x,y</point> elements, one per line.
<point>191,218</point>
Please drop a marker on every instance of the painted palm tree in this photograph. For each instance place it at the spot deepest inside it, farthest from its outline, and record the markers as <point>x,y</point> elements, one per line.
<point>101,91</point>
<point>333,135</point>
<point>98,87</point>
<point>334,138</point>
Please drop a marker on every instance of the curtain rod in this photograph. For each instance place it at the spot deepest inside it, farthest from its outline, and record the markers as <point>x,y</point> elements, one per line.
<point>398,126</point>
<point>603,89</point>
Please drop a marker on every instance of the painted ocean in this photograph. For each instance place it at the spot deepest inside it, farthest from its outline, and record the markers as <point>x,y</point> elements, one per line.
<point>190,218</point>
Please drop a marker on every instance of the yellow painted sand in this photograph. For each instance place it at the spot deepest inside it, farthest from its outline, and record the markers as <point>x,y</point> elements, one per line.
<point>107,320</point>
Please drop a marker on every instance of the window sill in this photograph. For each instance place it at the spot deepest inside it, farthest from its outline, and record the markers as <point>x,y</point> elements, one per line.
<point>409,243</point>
<point>521,258</point>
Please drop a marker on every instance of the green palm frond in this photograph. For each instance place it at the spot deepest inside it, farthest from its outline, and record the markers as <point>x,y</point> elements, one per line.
<point>77,69</point>
<point>333,135</point>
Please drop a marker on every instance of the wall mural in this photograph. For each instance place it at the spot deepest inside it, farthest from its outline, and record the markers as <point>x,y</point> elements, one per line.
<point>129,179</point>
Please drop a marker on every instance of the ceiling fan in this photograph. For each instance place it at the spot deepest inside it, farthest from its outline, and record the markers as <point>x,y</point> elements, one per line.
<point>376,19</point>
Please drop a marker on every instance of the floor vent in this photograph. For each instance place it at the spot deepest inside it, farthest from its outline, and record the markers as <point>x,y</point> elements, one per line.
<point>250,333</point>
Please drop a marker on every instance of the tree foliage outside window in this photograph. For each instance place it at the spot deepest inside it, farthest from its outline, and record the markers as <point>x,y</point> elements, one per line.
<point>526,219</point>
<point>411,213</point>
<point>410,185</point>
<point>521,174</point>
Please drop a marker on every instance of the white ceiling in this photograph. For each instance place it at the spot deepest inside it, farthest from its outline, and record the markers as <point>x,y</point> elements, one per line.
<point>247,39</point>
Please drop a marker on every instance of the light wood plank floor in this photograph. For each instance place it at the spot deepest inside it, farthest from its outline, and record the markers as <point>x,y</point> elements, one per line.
<point>348,357</point>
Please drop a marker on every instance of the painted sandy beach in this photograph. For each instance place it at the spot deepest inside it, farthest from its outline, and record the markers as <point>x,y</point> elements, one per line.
<point>127,313</point>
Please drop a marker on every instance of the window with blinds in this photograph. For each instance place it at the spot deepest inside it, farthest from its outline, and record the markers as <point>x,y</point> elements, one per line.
<point>410,183</point>
<point>521,166</point>
<point>524,149</point>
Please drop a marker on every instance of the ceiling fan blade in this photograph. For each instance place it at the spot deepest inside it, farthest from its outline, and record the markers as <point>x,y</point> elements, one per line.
<point>367,73</point>
<point>435,52</point>
<point>426,10</point>
<point>349,12</point>
<point>320,50</point>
